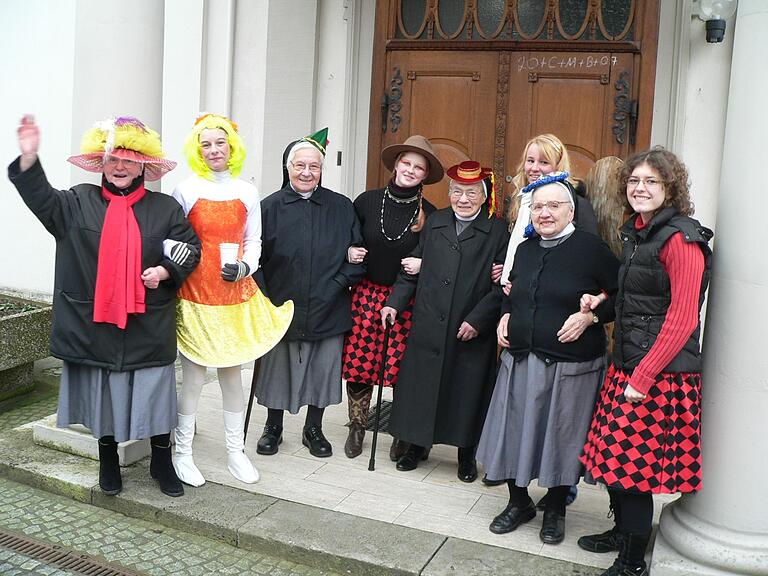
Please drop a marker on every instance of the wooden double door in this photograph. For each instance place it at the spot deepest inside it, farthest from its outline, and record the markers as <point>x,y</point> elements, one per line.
<point>474,101</point>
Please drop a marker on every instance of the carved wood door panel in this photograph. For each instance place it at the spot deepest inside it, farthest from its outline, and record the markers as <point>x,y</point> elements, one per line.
<point>481,77</point>
<point>446,96</point>
<point>580,97</point>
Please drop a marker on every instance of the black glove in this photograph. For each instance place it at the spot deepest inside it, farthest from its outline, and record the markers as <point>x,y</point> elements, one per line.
<point>183,254</point>
<point>235,272</point>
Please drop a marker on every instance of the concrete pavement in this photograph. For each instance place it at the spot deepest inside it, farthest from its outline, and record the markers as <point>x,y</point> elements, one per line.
<point>309,536</point>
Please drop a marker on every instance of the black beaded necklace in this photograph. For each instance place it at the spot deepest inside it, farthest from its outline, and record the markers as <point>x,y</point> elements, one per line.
<point>393,198</point>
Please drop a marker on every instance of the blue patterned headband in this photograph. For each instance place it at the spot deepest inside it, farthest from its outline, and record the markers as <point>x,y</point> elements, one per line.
<point>560,178</point>
<point>548,179</point>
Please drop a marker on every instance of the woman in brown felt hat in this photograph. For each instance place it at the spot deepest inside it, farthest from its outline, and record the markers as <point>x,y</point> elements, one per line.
<point>391,219</point>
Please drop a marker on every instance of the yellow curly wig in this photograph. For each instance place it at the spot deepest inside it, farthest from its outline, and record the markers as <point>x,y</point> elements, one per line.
<point>123,132</point>
<point>194,154</point>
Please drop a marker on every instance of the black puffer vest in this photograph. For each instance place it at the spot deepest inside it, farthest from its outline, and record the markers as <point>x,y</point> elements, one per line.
<point>644,290</point>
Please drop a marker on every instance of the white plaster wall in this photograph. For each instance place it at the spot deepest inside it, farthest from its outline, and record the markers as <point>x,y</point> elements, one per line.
<point>249,83</point>
<point>691,100</point>
<point>182,80</point>
<point>331,87</point>
<point>273,82</point>
<point>118,67</point>
<point>706,98</point>
<point>38,46</point>
<point>359,61</point>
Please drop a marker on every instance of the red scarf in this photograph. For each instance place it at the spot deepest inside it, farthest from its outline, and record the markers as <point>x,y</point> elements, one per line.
<point>119,289</point>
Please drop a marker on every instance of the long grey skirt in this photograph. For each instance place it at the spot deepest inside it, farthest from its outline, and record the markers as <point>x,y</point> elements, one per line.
<point>538,420</point>
<point>127,405</point>
<point>296,374</point>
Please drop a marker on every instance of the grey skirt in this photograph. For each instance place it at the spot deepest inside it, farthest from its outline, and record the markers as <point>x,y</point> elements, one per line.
<point>538,420</point>
<point>296,374</point>
<point>127,405</point>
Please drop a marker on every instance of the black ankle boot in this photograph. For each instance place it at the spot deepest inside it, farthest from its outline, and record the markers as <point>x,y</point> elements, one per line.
<point>631,560</point>
<point>161,466</point>
<point>110,481</point>
<point>608,541</point>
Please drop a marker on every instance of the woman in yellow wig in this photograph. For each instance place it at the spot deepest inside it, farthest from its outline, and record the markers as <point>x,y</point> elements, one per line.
<point>223,318</point>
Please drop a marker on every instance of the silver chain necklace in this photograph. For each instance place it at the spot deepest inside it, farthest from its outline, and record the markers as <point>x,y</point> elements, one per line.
<point>388,194</point>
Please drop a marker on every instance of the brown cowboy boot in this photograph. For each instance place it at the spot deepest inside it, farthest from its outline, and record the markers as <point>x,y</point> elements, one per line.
<point>359,401</point>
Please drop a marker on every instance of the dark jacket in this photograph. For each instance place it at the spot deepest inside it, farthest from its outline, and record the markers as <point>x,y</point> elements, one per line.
<point>445,385</point>
<point>75,218</point>
<point>645,292</point>
<point>547,284</point>
<point>304,259</point>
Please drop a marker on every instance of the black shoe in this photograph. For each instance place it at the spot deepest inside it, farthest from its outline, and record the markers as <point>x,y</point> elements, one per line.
<point>553,527</point>
<point>270,439</point>
<point>467,471</point>
<point>314,439</point>
<point>110,481</point>
<point>161,469</point>
<point>620,569</point>
<point>354,444</point>
<point>492,482</point>
<point>608,541</point>
<point>410,460</point>
<point>512,517</point>
<point>398,449</point>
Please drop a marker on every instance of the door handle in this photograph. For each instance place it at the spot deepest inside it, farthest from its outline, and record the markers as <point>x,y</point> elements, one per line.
<point>390,102</point>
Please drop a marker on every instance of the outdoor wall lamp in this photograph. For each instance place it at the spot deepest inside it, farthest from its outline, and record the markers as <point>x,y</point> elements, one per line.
<point>714,13</point>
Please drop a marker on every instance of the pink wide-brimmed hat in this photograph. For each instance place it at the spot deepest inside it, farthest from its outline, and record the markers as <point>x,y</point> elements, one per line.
<point>126,138</point>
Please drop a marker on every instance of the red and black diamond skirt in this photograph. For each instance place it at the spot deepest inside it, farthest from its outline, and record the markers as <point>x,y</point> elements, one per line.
<point>652,446</point>
<point>363,347</point>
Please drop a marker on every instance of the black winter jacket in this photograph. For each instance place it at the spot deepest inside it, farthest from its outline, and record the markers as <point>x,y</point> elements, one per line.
<point>75,218</point>
<point>645,292</point>
<point>304,259</point>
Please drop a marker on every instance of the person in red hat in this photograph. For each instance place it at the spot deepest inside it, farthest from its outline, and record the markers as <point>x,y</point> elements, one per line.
<point>447,373</point>
<point>114,297</point>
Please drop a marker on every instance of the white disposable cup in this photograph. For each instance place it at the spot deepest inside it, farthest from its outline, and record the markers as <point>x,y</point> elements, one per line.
<point>228,252</point>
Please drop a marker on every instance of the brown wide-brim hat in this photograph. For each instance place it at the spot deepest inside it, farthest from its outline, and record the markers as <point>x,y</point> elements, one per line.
<point>420,145</point>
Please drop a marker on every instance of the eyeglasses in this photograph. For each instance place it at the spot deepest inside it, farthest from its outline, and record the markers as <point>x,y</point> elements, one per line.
<point>552,206</point>
<point>470,194</point>
<point>301,166</point>
<point>648,183</point>
<point>114,161</point>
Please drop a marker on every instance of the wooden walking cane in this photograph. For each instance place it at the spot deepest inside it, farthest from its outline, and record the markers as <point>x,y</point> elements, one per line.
<point>256,370</point>
<point>382,372</point>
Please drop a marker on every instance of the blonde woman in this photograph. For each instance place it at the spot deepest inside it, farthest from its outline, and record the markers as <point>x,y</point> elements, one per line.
<point>542,155</point>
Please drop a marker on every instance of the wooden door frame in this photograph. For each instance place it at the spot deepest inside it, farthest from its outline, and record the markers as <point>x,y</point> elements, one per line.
<point>645,50</point>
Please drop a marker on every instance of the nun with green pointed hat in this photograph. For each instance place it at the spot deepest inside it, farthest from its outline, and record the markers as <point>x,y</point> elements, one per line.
<point>306,230</point>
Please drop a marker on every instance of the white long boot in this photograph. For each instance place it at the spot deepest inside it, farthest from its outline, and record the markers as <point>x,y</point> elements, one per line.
<point>237,462</point>
<point>182,457</point>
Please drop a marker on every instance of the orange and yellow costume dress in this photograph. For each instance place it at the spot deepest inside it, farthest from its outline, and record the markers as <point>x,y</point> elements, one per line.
<point>220,323</point>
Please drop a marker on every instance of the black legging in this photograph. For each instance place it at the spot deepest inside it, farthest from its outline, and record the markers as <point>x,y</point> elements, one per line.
<point>636,511</point>
<point>314,416</point>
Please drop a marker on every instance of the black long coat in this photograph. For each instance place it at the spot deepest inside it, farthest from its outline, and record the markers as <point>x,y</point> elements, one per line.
<point>304,259</point>
<point>445,384</point>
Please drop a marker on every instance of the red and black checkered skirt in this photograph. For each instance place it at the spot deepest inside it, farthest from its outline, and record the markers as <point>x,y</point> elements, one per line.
<point>364,345</point>
<point>652,446</point>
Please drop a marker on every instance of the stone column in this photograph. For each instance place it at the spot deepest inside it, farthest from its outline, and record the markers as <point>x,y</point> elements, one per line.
<point>724,528</point>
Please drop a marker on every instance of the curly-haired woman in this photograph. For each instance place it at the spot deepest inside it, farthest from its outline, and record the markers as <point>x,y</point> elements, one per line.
<point>645,434</point>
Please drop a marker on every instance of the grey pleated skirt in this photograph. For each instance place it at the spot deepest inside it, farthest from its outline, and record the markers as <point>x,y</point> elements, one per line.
<point>296,374</point>
<point>127,405</point>
<point>538,420</point>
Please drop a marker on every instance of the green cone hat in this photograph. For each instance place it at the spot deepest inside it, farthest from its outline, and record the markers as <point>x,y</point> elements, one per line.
<point>319,140</point>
